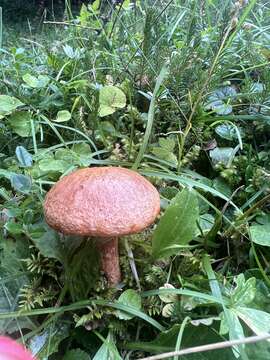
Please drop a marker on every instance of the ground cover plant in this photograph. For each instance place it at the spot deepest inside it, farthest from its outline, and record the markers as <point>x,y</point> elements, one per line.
<point>178,91</point>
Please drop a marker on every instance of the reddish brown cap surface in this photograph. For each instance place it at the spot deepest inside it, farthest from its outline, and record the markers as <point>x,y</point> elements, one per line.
<point>102,202</point>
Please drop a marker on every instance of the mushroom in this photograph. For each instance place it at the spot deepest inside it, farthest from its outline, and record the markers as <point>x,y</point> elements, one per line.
<point>11,350</point>
<point>104,203</point>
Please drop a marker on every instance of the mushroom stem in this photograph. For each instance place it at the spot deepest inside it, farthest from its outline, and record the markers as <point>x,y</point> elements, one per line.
<point>108,249</point>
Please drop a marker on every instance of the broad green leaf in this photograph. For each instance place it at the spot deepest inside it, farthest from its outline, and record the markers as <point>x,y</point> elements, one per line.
<point>234,329</point>
<point>167,143</point>
<point>226,131</point>
<point>24,157</point>
<point>259,350</point>
<point>52,165</point>
<point>14,228</point>
<point>6,174</point>
<point>165,154</point>
<point>126,4</point>
<point>257,320</point>
<point>111,98</point>
<point>244,291</point>
<point>193,335</point>
<point>20,123</point>
<point>84,15</point>
<point>260,234</point>
<point>30,80</point>
<point>63,116</point>
<point>132,298</point>
<point>108,350</point>
<point>206,222</point>
<point>21,183</point>
<point>177,226</point>
<point>8,104</point>
<point>47,241</point>
<point>47,343</point>
<point>76,354</point>
<point>222,186</point>
<point>95,5</point>
<point>168,298</point>
<point>221,155</point>
<point>36,82</point>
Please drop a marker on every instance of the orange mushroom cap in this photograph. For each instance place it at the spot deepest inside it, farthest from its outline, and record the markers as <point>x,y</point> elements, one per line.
<point>102,202</point>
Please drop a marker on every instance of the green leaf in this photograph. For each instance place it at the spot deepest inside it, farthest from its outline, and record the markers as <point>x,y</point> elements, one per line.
<point>14,228</point>
<point>222,186</point>
<point>111,98</point>
<point>226,131</point>
<point>167,143</point>
<point>193,335</point>
<point>245,291</point>
<point>63,116</point>
<point>76,354</point>
<point>257,320</point>
<point>132,298</point>
<point>260,234</point>
<point>20,123</point>
<point>21,183</point>
<point>221,155</point>
<point>24,157</point>
<point>36,82</point>
<point>47,241</point>
<point>47,343</point>
<point>165,154</point>
<point>108,350</point>
<point>177,226</point>
<point>8,104</point>
<point>259,350</point>
<point>206,222</point>
<point>52,165</point>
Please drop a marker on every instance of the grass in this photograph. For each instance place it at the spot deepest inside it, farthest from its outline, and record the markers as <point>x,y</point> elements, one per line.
<point>187,86</point>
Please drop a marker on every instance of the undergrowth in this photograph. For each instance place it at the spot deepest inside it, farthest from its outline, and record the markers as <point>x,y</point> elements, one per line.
<point>178,91</point>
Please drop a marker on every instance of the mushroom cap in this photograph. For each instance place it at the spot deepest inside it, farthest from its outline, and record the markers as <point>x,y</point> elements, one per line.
<point>101,202</point>
<point>11,350</point>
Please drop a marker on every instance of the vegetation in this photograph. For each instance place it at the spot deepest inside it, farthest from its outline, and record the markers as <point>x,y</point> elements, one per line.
<point>178,91</point>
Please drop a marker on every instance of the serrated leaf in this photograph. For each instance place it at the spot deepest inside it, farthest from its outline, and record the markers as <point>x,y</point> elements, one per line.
<point>8,104</point>
<point>129,297</point>
<point>24,157</point>
<point>260,234</point>
<point>63,116</point>
<point>111,98</point>
<point>177,226</point>
<point>21,183</point>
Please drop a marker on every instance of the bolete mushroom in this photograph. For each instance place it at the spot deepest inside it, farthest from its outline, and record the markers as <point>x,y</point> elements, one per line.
<point>11,350</point>
<point>104,203</point>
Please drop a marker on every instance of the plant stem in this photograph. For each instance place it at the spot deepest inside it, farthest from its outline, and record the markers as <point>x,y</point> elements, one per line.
<point>108,249</point>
